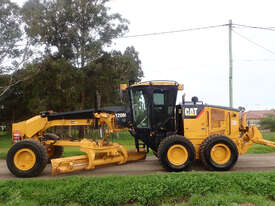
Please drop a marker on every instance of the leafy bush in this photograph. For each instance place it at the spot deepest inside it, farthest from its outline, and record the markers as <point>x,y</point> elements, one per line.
<point>144,190</point>
<point>268,122</point>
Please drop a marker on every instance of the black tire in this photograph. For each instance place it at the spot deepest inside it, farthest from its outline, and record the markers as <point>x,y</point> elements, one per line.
<point>205,153</point>
<point>172,141</point>
<point>40,160</point>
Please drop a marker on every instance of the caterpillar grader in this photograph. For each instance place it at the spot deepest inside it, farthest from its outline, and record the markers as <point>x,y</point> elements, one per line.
<point>177,134</point>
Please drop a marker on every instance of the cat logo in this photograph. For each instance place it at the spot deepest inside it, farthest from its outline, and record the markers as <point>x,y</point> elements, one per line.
<point>191,112</point>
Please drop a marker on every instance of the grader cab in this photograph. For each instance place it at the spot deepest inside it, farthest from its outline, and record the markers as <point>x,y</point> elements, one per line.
<point>177,134</point>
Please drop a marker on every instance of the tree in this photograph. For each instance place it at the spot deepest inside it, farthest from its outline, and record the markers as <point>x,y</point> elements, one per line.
<point>104,75</point>
<point>75,70</point>
<point>10,32</point>
<point>55,88</point>
<point>268,122</point>
<point>78,29</point>
<point>14,51</point>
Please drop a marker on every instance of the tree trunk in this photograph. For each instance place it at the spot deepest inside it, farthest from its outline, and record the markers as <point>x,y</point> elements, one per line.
<point>81,128</point>
<point>70,131</point>
<point>98,100</point>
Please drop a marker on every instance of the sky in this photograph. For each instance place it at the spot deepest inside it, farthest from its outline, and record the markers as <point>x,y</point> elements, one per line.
<point>200,59</point>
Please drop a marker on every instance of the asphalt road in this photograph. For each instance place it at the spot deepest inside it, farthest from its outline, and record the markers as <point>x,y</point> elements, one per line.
<point>246,163</point>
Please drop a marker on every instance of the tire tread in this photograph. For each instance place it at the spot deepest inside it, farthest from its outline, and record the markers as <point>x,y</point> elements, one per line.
<point>42,158</point>
<point>204,147</point>
<point>170,140</point>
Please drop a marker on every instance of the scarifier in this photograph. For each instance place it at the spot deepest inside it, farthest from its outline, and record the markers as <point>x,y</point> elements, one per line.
<point>177,134</point>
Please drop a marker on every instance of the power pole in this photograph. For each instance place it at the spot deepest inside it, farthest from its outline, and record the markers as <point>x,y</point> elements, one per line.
<point>230,65</point>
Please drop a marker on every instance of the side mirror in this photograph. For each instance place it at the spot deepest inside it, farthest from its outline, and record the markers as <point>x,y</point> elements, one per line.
<point>122,88</point>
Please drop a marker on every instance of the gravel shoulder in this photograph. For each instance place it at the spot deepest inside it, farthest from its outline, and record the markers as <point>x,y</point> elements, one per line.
<point>246,163</point>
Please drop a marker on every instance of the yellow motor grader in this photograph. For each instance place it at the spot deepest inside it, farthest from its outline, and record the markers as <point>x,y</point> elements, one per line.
<point>177,134</point>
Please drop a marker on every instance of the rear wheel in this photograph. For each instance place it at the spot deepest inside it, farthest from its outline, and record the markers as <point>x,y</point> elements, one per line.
<point>176,153</point>
<point>218,153</point>
<point>27,158</point>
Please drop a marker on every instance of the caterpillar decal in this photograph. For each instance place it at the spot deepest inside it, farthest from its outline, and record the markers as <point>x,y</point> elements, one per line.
<point>192,111</point>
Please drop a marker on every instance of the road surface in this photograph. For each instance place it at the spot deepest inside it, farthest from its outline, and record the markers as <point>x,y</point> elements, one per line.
<point>246,162</point>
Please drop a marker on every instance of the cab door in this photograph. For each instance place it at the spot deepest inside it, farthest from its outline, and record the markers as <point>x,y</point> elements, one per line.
<point>163,110</point>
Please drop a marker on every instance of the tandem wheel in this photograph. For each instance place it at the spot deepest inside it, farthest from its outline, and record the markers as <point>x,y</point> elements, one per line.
<point>218,153</point>
<point>176,153</point>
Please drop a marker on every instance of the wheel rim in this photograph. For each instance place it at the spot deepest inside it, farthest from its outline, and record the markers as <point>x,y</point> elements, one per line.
<point>220,153</point>
<point>24,159</point>
<point>177,154</point>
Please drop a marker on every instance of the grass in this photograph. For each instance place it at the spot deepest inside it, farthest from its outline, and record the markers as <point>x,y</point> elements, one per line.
<point>5,144</point>
<point>195,189</point>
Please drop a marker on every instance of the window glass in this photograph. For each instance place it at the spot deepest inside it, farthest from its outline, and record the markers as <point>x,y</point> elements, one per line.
<point>140,109</point>
<point>158,98</point>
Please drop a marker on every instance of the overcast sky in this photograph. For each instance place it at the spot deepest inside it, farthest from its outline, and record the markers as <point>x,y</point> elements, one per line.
<point>199,59</point>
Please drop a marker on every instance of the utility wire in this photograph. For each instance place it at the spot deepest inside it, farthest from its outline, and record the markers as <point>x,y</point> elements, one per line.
<point>255,27</point>
<point>173,31</point>
<point>255,60</point>
<point>256,44</point>
<point>195,29</point>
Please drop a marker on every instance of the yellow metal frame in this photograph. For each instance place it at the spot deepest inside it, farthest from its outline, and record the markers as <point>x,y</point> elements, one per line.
<point>198,129</point>
<point>35,127</point>
<point>98,152</point>
<point>232,126</point>
<point>123,87</point>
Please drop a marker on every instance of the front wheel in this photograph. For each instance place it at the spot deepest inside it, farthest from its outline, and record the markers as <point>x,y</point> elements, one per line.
<point>27,158</point>
<point>176,153</point>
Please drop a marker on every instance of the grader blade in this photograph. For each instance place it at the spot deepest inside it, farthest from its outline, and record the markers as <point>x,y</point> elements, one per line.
<point>133,155</point>
<point>88,162</point>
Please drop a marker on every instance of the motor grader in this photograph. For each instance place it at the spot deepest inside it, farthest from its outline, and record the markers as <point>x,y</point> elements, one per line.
<point>177,134</point>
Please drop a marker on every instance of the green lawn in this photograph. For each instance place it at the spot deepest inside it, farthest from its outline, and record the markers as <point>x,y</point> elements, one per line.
<point>184,188</point>
<point>5,144</point>
<point>128,141</point>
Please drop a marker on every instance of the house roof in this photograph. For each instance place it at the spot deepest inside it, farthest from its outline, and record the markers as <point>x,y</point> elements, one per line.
<point>258,114</point>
